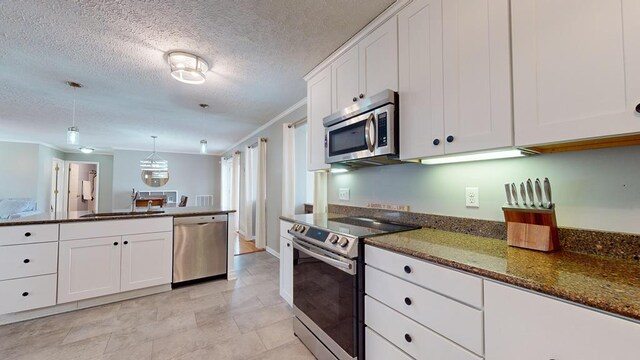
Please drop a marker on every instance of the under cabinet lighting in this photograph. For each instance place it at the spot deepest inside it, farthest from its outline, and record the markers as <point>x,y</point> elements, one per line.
<point>338,170</point>
<point>492,155</point>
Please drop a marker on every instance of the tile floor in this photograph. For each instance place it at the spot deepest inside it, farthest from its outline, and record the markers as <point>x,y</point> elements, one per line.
<point>241,319</point>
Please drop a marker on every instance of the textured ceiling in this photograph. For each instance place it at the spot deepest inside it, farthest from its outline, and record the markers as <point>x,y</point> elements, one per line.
<point>258,52</point>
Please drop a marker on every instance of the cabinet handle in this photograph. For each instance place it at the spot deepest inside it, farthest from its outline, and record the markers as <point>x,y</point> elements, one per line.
<point>25,294</point>
<point>407,301</point>
<point>407,269</point>
<point>115,243</point>
<point>126,242</point>
<point>26,261</point>
<point>450,138</point>
<point>436,142</point>
<point>408,337</point>
<point>27,234</point>
<point>361,96</point>
<point>638,111</point>
<point>355,99</point>
<point>288,245</point>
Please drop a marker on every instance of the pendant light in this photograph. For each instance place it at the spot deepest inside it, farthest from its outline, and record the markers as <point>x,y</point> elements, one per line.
<point>155,169</point>
<point>203,147</point>
<point>73,133</point>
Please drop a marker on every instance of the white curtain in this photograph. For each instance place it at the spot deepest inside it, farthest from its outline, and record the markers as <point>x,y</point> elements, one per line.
<point>225,183</point>
<point>246,210</point>
<point>320,193</point>
<point>288,170</point>
<point>235,189</point>
<point>261,194</point>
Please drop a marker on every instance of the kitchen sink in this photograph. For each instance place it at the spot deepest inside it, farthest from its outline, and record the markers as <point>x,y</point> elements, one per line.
<point>123,213</point>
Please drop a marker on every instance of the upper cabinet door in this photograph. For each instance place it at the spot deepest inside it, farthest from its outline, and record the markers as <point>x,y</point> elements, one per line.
<point>344,73</point>
<point>420,57</point>
<point>477,75</point>
<point>379,59</point>
<point>576,69</point>
<point>318,107</point>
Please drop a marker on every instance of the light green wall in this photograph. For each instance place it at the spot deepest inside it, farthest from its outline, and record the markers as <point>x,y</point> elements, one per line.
<point>19,170</point>
<point>593,189</point>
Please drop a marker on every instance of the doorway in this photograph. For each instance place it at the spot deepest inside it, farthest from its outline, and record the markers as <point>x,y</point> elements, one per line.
<point>82,186</point>
<point>57,185</point>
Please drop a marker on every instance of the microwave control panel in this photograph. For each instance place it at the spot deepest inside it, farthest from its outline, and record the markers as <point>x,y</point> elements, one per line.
<point>382,129</point>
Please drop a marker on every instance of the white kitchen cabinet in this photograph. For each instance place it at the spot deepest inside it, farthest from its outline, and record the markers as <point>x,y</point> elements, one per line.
<point>477,76</point>
<point>420,79</point>
<point>318,107</point>
<point>378,58</point>
<point>89,268</point>
<point>526,326</point>
<point>576,69</point>
<point>455,83</point>
<point>27,293</point>
<point>286,263</point>
<point>345,79</point>
<point>18,261</point>
<point>146,260</point>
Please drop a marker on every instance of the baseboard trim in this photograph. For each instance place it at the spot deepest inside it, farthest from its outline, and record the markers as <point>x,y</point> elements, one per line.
<point>273,252</point>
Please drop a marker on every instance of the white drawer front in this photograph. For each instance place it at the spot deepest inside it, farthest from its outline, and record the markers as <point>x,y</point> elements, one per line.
<point>28,234</point>
<point>28,293</point>
<point>454,284</point>
<point>94,229</point>
<point>28,260</point>
<point>449,318</point>
<point>398,329</point>
<point>377,348</point>
<point>284,226</point>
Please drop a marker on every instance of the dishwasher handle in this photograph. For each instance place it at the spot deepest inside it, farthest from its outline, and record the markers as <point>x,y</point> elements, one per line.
<point>199,220</point>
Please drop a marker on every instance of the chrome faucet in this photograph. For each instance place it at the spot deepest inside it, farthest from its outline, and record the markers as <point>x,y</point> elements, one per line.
<point>134,196</point>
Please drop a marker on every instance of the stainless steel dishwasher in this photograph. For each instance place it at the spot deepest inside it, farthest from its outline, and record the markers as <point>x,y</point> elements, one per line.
<point>199,247</point>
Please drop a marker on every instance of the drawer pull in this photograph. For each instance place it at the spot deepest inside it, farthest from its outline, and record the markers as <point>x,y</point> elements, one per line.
<point>126,242</point>
<point>408,338</point>
<point>407,269</point>
<point>115,243</point>
<point>27,234</point>
<point>26,261</point>
<point>407,301</point>
<point>25,294</point>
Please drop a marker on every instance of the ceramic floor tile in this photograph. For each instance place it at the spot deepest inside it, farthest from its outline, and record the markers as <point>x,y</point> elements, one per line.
<point>262,317</point>
<point>136,352</point>
<point>277,334</point>
<point>237,348</point>
<point>294,350</point>
<point>228,310</point>
<point>214,287</point>
<point>107,326</point>
<point>244,293</point>
<point>80,350</point>
<point>271,298</point>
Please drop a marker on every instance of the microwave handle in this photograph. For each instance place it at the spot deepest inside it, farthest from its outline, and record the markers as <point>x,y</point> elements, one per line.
<point>368,129</point>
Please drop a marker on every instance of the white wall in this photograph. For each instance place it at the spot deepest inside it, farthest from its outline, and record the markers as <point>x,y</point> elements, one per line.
<point>593,189</point>
<point>190,175</point>
<point>19,170</point>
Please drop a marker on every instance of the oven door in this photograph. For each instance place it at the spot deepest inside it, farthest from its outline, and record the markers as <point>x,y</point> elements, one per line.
<point>367,135</point>
<point>325,297</point>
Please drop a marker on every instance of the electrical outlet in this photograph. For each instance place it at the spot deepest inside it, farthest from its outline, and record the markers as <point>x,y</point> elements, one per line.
<point>472,197</point>
<point>343,194</point>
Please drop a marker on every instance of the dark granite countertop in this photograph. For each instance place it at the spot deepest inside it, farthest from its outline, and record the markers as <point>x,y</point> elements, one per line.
<point>604,283</point>
<point>75,216</point>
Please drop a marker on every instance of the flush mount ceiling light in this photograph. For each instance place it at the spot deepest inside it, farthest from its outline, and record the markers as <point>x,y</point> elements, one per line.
<point>73,133</point>
<point>491,155</point>
<point>187,68</point>
<point>203,146</point>
<point>86,150</point>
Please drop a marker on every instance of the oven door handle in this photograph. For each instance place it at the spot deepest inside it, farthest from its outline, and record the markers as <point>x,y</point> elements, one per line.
<point>368,129</point>
<point>323,258</point>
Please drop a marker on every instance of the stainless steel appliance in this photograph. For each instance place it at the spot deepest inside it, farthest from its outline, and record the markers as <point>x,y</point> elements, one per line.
<point>199,247</point>
<point>328,282</point>
<point>365,133</point>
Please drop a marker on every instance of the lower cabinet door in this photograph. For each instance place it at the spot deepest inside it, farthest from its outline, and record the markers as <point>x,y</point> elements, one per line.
<point>88,268</point>
<point>146,260</point>
<point>27,293</point>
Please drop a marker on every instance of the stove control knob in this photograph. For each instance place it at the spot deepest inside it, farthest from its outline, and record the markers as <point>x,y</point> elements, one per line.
<point>333,238</point>
<point>343,242</point>
<point>294,227</point>
<point>302,229</point>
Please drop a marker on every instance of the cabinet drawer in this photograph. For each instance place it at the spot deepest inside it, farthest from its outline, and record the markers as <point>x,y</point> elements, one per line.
<point>284,226</point>
<point>94,229</point>
<point>28,234</point>
<point>451,283</point>
<point>377,348</point>
<point>411,337</point>
<point>28,293</point>
<point>449,318</point>
<point>28,260</point>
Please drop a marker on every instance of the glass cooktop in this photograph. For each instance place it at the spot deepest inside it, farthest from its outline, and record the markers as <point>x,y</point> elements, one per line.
<point>355,226</point>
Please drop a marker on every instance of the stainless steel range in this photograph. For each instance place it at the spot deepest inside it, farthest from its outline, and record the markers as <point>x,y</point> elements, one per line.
<point>328,281</point>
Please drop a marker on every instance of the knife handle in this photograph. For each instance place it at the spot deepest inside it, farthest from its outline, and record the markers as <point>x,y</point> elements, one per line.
<point>539,192</point>
<point>514,192</point>
<point>523,194</point>
<point>547,193</point>
<point>507,189</point>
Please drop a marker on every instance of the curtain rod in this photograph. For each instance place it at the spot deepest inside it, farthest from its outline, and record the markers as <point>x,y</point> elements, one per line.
<point>256,143</point>
<point>301,121</point>
<point>230,156</point>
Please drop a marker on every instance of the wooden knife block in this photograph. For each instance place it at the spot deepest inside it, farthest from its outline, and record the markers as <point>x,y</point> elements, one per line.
<point>531,227</point>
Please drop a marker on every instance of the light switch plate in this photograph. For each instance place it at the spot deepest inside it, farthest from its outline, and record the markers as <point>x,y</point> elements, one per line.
<point>343,194</point>
<point>472,197</point>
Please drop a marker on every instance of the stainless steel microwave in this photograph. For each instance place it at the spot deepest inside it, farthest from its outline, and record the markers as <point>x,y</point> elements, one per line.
<point>365,133</point>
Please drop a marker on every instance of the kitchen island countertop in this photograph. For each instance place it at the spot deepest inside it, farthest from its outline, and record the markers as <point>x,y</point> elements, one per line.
<point>76,216</point>
<point>603,283</point>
